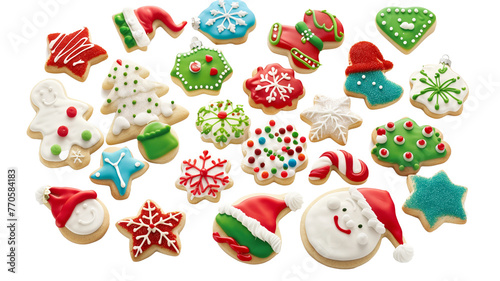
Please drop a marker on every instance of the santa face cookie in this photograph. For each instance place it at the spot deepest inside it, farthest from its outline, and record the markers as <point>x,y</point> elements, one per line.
<point>274,154</point>
<point>435,200</point>
<point>248,230</point>
<point>158,143</point>
<point>344,228</point>
<point>138,27</point>
<point>136,102</point>
<point>152,230</point>
<point>350,168</point>
<point>438,90</point>
<point>405,28</point>
<point>303,42</point>
<point>366,78</point>
<point>406,146</point>
<point>226,21</point>
<point>201,70</point>
<point>73,54</point>
<point>204,177</point>
<point>80,216</point>
<point>118,169</point>
<point>273,89</point>
<point>61,123</point>
<point>222,123</point>
<point>330,118</point>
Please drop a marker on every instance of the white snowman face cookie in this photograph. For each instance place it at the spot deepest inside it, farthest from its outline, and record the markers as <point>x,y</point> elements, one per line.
<point>343,228</point>
<point>79,215</point>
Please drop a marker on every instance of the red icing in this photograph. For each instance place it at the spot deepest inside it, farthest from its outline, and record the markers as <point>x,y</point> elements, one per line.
<point>428,129</point>
<point>421,142</point>
<point>390,125</point>
<point>138,226</point>
<point>365,57</point>
<point>408,155</point>
<point>336,220</point>
<point>241,251</point>
<point>291,88</point>
<point>73,51</point>
<point>62,131</point>
<point>383,151</point>
<point>71,111</point>
<point>399,139</point>
<point>119,62</point>
<point>322,172</point>
<point>213,71</point>
<point>147,15</point>
<point>222,115</point>
<point>208,58</point>
<point>263,208</point>
<point>381,131</point>
<point>409,124</point>
<point>63,201</point>
<point>195,67</point>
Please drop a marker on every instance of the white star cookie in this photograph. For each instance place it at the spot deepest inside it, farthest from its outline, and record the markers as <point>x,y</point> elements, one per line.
<point>330,118</point>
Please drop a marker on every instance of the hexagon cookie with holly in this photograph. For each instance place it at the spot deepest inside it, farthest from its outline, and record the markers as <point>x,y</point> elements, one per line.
<point>274,154</point>
<point>406,146</point>
<point>202,70</point>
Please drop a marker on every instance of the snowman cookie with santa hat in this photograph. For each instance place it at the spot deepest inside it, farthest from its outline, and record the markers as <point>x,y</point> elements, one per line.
<point>80,216</point>
<point>343,228</point>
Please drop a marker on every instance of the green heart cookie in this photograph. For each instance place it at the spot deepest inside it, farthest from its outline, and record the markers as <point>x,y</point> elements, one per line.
<point>405,27</point>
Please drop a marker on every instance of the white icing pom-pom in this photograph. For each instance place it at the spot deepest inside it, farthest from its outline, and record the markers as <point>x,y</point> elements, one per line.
<point>293,200</point>
<point>41,193</point>
<point>403,253</point>
<point>362,239</point>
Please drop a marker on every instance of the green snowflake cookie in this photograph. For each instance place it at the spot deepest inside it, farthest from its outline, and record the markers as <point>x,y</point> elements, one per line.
<point>405,28</point>
<point>222,123</point>
<point>406,146</point>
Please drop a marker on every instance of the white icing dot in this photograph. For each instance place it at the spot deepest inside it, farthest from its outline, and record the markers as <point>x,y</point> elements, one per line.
<point>425,11</point>
<point>400,38</point>
<point>359,82</point>
<point>404,42</point>
<point>364,76</point>
<point>382,14</point>
<point>416,36</point>
<point>384,23</point>
<point>397,10</point>
<point>97,174</point>
<point>373,83</point>
<point>388,10</point>
<point>380,87</point>
<point>409,11</point>
<point>403,10</point>
<point>416,10</point>
<point>429,21</point>
<point>413,40</point>
<point>431,15</point>
<point>413,19</point>
<point>396,34</point>
<point>137,164</point>
<point>424,26</point>
<point>399,19</point>
<point>390,28</point>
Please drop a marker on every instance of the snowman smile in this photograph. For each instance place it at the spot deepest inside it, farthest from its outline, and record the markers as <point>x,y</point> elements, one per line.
<point>336,220</point>
<point>87,222</point>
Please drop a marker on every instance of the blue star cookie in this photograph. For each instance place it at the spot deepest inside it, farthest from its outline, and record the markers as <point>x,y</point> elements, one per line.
<point>435,200</point>
<point>118,169</point>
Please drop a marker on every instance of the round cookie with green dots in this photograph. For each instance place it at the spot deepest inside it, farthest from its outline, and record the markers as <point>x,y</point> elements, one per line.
<point>136,102</point>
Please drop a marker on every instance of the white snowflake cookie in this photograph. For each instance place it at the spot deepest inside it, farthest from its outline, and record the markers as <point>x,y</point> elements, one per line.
<point>330,118</point>
<point>222,123</point>
<point>274,154</point>
<point>204,178</point>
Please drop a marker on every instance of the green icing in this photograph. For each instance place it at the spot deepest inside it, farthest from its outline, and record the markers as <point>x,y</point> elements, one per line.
<point>405,26</point>
<point>203,79</point>
<point>276,40</point>
<point>323,26</point>
<point>308,36</point>
<point>301,56</point>
<point>436,197</point>
<point>125,30</point>
<point>157,140</point>
<point>396,151</point>
<point>235,229</point>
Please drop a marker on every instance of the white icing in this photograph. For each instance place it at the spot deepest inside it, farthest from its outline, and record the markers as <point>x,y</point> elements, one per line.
<point>117,169</point>
<point>226,15</point>
<point>444,108</point>
<point>71,50</point>
<point>50,98</point>
<point>381,139</point>
<point>294,201</point>
<point>253,226</point>
<point>407,26</point>
<point>328,240</point>
<point>137,30</point>
<point>86,218</point>
<point>330,117</point>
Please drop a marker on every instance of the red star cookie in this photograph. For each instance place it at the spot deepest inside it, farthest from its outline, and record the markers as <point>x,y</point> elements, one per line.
<point>73,54</point>
<point>152,230</point>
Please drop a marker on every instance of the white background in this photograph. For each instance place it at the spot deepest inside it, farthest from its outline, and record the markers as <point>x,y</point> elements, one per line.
<point>452,252</point>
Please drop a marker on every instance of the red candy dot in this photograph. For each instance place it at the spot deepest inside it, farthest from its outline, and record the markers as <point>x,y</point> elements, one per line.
<point>251,160</point>
<point>408,155</point>
<point>272,157</point>
<point>264,175</point>
<point>258,131</point>
<point>219,105</point>
<point>284,149</point>
<point>428,130</point>
<point>272,123</point>
<point>390,125</point>
<point>62,131</point>
<point>71,112</point>
<point>276,134</point>
<point>421,142</point>
<point>399,138</point>
<point>441,146</point>
<point>250,143</point>
<point>303,139</point>
<point>381,131</point>
<point>289,128</point>
<point>383,151</point>
<point>290,152</point>
<point>257,151</point>
<point>256,169</point>
<point>409,124</point>
<point>222,115</point>
<point>284,174</point>
<point>298,149</point>
<point>287,140</point>
<point>262,165</point>
<point>282,130</point>
<point>302,157</point>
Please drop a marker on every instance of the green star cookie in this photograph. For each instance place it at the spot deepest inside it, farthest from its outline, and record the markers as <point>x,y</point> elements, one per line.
<point>435,200</point>
<point>405,28</point>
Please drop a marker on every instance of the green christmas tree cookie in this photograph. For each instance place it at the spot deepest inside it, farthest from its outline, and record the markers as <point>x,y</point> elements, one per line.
<point>406,146</point>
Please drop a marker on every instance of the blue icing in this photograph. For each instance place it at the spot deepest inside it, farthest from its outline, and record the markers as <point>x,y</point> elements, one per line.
<point>127,166</point>
<point>240,18</point>
<point>437,197</point>
<point>374,95</point>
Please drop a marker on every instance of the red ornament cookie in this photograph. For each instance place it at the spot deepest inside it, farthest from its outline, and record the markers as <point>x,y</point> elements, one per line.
<point>73,54</point>
<point>273,88</point>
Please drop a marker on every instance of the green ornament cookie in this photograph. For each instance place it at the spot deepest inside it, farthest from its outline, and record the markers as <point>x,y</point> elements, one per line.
<point>405,28</point>
<point>201,70</point>
<point>158,143</point>
<point>406,146</point>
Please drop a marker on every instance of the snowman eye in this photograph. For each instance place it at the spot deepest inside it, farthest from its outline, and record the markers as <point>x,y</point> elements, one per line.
<point>360,226</point>
<point>85,206</point>
<point>344,210</point>
<point>333,203</point>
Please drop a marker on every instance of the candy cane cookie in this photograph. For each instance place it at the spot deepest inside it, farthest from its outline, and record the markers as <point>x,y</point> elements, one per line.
<point>350,168</point>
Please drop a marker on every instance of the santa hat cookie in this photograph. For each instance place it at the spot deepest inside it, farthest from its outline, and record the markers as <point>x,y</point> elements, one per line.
<point>248,230</point>
<point>340,234</point>
<point>137,27</point>
<point>80,216</point>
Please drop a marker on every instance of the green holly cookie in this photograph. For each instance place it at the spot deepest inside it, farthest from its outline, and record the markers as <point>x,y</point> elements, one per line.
<point>405,28</point>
